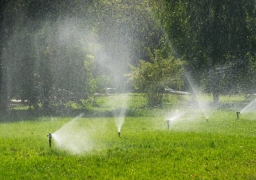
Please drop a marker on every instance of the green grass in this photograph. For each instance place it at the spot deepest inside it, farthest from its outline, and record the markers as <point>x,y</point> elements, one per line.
<point>222,148</point>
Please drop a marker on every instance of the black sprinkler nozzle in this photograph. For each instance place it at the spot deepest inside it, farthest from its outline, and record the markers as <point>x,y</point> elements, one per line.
<point>237,114</point>
<point>119,134</point>
<point>50,139</point>
<point>207,120</point>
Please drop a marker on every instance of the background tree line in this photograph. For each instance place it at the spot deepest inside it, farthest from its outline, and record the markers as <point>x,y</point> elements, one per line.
<point>217,39</point>
<point>54,52</point>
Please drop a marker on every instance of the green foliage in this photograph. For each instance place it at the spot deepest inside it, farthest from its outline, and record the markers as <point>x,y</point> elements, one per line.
<point>153,77</point>
<point>51,41</point>
<point>52,64</point>
<point>212,35</point>
<point>125,29</point>
<point>45,46</point>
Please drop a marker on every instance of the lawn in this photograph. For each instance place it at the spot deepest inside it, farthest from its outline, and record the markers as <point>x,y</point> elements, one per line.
<point>90,148</point>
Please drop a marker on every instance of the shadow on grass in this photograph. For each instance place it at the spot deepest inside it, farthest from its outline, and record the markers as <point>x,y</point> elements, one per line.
<point>16,115</point>
<point>32,115</point>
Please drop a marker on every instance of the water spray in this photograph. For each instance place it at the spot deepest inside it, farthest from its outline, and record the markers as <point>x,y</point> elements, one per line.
<point>119,133</point>
<point>50,139</point>
<point>237,114</point>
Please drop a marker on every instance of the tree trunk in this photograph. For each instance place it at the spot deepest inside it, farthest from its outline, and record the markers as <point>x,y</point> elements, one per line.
<point>3,92</point>
<point>216,96</point>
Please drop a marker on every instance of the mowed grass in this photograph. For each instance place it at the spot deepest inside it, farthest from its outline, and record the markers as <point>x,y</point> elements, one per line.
<point>223,148</point>
<point>192,148</point>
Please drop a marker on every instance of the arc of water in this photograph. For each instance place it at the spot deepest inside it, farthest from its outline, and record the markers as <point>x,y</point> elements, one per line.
<point>201,105</point>
<point>175,116</point>
<point>249,107</point>
<point>69,123</point>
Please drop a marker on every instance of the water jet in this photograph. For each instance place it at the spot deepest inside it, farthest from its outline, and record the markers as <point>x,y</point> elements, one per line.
<point>173,117</point>
<point>50,139</point>
<point>249,107</point>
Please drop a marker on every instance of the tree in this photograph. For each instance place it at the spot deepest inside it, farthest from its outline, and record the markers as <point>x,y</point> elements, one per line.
<point>47,44</point>
<point>45,52</point>
<point>212,35</point>
<point>125,29</point>
<point>153,77</point>
<point>5,31</point>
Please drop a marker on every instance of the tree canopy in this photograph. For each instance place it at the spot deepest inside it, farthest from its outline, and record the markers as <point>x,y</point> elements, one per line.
<point>54,52</point>
<point>217,36</point>
<point>57,51</point>
<point>153,77</point>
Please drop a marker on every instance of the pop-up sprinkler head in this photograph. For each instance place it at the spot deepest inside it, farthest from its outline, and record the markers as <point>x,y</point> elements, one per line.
<point>207,119</point>
<point>119,133</point>
<point>168,124</point>
<point>237,114</point>
<point>50,139</point>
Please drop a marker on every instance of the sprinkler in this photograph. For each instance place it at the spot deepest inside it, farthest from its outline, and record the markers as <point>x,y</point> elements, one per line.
<point>119,134</point>
<point>207,120</point>
<point>50,139</point>
<point>237,114</point>
<point>168,124</point>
